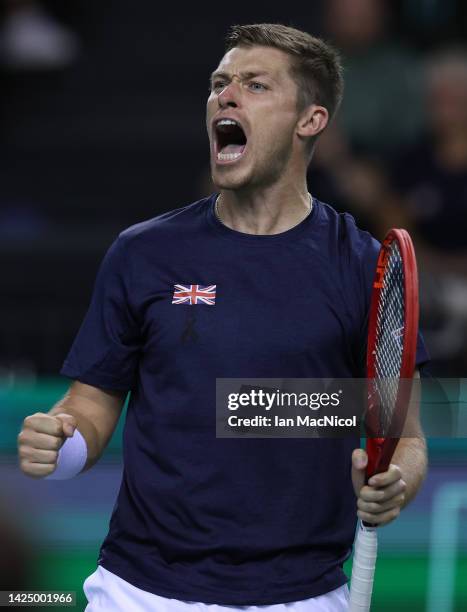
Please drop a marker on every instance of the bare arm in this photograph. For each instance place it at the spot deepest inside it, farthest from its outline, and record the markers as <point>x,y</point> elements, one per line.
<point>410,455</point>
<point>96,412</point>
<point>381,500</point>
<point>93,411</point>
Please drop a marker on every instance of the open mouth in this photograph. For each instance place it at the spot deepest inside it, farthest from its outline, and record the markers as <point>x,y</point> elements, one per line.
<point>230,140</point>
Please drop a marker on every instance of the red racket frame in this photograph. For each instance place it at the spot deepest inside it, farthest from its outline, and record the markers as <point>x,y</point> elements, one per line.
<point>380,450</point>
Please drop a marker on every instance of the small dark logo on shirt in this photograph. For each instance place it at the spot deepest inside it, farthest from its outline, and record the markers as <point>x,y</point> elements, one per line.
<point>189,333</point>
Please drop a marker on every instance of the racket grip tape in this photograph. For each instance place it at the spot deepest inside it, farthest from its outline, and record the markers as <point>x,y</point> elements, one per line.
<point>363,569</point>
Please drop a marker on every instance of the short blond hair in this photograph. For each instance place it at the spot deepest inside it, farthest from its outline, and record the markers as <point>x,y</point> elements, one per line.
<point>316,65</point>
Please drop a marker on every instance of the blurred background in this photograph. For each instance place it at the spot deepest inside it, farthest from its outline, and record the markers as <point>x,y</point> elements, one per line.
<point>102,126</point>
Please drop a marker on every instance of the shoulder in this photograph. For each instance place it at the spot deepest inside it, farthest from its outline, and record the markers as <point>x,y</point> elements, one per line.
<point>352,253</point>
<point>343,234</point>
<point>168,224</point>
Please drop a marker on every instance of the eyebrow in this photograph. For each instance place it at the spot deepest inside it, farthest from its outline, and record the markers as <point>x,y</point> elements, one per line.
<point>249,74</point>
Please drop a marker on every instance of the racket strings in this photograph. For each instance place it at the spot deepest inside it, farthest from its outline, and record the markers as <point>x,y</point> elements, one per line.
<point>389,338</point>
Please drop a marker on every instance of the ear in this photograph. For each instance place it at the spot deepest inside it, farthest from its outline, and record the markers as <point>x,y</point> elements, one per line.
<point>312,121</point>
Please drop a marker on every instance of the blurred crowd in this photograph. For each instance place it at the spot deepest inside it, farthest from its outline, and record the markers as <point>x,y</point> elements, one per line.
<point>396,156</point>
<point>32,38</point>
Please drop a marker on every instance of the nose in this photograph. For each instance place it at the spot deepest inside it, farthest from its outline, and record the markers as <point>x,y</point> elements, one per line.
<point>229,96</point>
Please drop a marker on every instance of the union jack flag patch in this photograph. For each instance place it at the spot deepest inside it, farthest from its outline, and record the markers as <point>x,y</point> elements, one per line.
<point>194,294</point>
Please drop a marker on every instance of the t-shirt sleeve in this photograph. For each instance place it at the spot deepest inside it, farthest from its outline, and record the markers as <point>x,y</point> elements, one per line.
<point>105,352</point>
<point>369,256</point>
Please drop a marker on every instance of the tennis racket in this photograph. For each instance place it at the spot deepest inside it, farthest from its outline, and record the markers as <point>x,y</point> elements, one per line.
<point>392,343</point>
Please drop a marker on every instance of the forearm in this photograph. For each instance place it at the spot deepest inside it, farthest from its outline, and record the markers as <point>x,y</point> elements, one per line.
<point>411,457</point>
<point>96,412</point>
<point>411,454</point>
<point>380,501</point>
<point>70,405</point>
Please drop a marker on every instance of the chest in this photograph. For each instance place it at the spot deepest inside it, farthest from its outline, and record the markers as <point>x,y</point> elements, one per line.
<point>254,308</point>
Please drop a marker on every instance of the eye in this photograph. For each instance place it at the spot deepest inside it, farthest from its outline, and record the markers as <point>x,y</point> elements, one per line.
<point>256,86</point>
<point>218,86</point>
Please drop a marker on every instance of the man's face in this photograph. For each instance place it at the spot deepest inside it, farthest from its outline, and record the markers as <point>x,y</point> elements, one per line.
<point>251,117</point>
<point>447,99</point>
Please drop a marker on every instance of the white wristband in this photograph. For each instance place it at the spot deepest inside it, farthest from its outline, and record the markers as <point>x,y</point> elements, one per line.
<point>71,458</point>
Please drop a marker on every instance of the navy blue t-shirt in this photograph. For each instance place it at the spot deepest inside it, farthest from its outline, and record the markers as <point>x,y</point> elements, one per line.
<point>218,520</point>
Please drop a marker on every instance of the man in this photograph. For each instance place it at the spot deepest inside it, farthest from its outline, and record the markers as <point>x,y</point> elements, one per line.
<point>262,281</point>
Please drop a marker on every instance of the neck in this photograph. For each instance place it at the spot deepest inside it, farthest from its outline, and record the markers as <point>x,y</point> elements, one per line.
<point>271,210</point>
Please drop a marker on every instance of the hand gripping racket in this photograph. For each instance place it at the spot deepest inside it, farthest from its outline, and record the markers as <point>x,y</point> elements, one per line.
<point>392,343</point>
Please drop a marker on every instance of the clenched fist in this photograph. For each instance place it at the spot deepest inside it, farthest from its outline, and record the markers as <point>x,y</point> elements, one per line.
<point>39,441</point>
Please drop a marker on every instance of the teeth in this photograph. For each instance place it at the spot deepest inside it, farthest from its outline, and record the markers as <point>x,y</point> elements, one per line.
<point>228,156</point>
<point>226,122</point>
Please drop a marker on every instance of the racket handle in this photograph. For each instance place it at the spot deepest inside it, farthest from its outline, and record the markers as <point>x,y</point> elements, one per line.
<point>363,569</point>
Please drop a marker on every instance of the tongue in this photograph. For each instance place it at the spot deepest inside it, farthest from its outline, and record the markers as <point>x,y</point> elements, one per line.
<point>233,148</point>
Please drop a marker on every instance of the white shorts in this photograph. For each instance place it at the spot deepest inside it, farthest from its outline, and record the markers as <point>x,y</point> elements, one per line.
<point>107,592</point>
